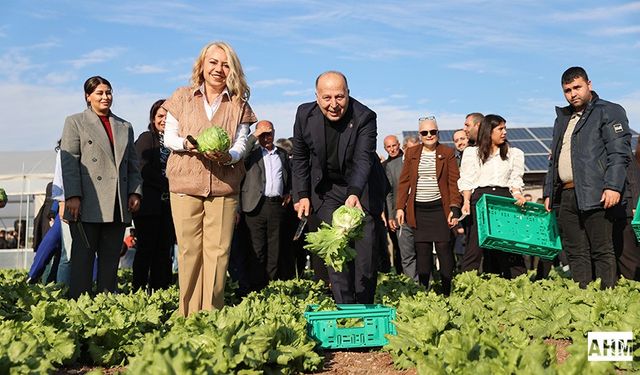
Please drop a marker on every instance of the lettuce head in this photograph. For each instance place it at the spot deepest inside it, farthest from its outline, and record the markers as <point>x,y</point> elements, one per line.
<point>348,220</point>
<point>332,242</point>
<point>214,139</point>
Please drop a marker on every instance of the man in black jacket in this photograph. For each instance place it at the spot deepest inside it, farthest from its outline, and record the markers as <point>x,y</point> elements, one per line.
<point>586,177</point>
<point>334,163</point>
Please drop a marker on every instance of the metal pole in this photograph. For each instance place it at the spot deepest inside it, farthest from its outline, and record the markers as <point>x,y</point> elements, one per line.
<point>26,229</point>
<point>21,197</point>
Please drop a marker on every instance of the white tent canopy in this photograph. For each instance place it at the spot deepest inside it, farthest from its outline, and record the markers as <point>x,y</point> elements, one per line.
<point>24,175</point>
<point>26,172</point>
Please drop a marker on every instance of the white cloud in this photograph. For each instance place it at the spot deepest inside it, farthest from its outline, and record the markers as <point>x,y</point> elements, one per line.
<point>306,92</point>
<point>623,30</point>
<point>97,56</point>
<point>13,64</point>
<point>631,104</point>
<point>57,78</point>
<point>600,13</point>
<point>45,14</point>
<point>282,114</point>
<point>182,79</point>
<point>30,125</point>
<point>475,67</point>
<point>145,69</point>
<point>37,113</point>
<point>273,82</point>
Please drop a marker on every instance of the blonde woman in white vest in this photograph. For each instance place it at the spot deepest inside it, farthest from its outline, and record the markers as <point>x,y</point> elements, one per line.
<point>204,187</point>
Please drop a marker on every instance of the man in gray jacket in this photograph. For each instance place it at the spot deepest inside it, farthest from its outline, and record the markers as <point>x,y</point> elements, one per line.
<point>264,195</point>
<point>404,233</point>
<point>586,177</point>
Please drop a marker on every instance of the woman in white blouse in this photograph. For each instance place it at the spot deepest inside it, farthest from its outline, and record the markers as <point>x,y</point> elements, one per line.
<point>491,167</point>
<point>204,187</point>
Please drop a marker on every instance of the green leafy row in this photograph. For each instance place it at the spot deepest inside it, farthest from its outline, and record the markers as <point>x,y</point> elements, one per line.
<point>490,325</point>
<point>487,325</point>
<point>265,333</point>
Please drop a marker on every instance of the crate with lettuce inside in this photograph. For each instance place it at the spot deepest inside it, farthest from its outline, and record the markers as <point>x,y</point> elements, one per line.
<point>351,325</point>
<point>526,230</point>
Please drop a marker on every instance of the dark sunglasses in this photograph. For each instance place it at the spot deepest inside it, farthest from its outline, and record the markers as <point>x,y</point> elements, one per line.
<point>425,133</point>
<point>266,134</point>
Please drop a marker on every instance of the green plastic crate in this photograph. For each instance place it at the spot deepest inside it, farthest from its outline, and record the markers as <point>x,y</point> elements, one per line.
<point>635,223</point>
<point>527,230</point>
<point>323,326</point>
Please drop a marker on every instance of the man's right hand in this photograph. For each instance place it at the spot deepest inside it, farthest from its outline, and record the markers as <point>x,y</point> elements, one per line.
<point>261,129</point>
<point>393,225</point>
<point>72,205</point>
<point>547,204</point>
<point>303,207</point>
<point>400,217</point>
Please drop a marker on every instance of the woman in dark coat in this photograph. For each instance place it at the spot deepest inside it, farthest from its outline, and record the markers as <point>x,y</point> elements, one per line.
<point>154,225</point>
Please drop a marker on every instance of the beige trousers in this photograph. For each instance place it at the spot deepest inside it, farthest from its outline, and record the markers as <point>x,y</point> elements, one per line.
<point>204,229</point>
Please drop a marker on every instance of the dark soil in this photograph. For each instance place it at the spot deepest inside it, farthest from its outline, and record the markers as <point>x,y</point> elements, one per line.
<point>360,362</point>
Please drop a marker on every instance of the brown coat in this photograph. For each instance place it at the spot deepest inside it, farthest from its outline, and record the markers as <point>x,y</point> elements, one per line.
<point>446,171</point>
<point>191,173</point>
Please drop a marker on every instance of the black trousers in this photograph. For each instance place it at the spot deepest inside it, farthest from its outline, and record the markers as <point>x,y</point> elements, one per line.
<point>155,240</point>
<point>239,257</point>
<point>507,265</point>
<point>264,224</point>
<point>293,256</point>
<point>105,241</point>
<point>357,283</point>
<point>587,238</point>
<point>425,263</point>
<point>626,249</point>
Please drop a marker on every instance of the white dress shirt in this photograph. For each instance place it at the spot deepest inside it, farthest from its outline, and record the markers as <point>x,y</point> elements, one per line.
<point>176,143</point>
<point>494,172</point>
<point>274,185</point>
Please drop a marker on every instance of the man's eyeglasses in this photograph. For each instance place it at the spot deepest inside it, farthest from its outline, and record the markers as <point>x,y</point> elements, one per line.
<point>266,134</point>
<point>425,133</point>
<point>430,118</point>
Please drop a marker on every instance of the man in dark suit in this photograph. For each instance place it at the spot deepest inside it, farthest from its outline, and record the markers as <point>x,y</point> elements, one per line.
<point>402,239</point>
<point>264,194</point>
<point>335,163</point>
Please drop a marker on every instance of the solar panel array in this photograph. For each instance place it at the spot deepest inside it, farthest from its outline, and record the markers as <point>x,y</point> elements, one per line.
<point>535,142</point>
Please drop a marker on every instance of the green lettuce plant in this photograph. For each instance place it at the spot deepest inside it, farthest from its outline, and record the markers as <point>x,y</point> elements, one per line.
<point>213,139</point>
<point>332,242</point>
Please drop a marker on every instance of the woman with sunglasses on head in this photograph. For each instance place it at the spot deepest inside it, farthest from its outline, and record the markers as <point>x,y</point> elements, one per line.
<point>491,167</point>
<point>154,225</point>
<point>429,201</point>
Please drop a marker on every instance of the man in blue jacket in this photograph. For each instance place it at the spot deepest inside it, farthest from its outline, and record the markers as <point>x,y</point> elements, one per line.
<point>587,171</point>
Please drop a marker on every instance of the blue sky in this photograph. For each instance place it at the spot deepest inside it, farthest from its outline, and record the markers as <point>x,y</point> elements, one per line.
<point>403,59</point>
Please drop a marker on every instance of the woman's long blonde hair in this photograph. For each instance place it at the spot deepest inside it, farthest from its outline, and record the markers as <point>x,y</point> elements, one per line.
<point>236,81</point>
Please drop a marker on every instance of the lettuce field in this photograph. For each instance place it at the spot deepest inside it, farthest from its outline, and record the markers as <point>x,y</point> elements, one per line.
<point>487,326</point>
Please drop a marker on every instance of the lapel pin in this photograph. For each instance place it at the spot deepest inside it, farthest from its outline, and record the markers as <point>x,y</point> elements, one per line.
<point>351,124</point>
